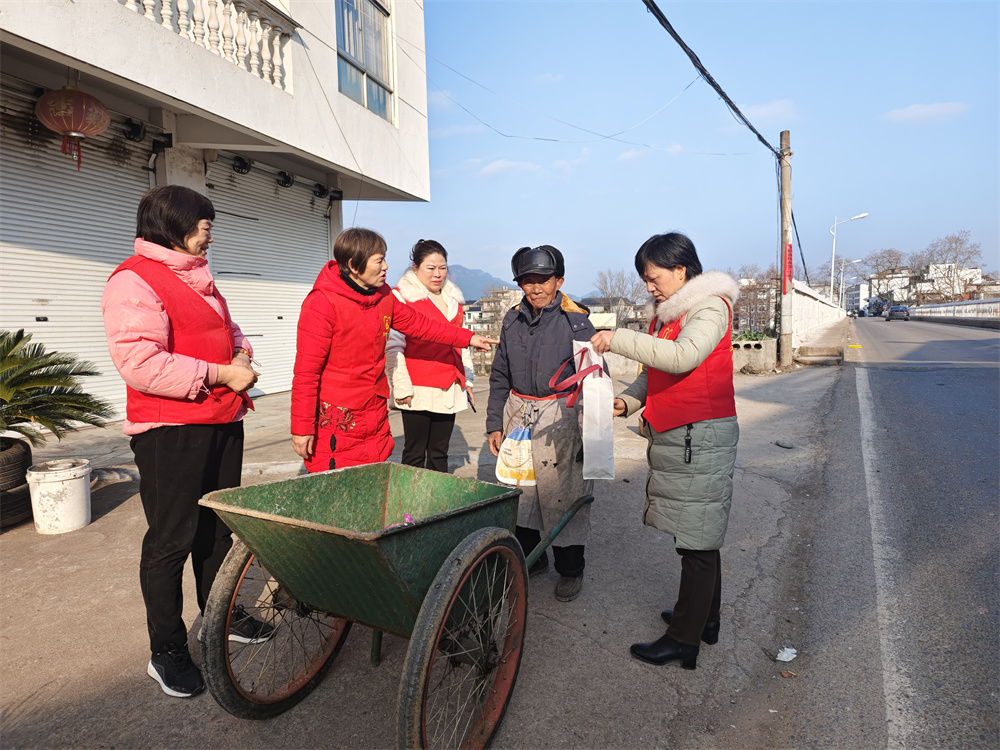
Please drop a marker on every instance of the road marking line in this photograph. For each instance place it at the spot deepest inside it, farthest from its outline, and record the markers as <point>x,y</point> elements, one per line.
<point>895,685</point>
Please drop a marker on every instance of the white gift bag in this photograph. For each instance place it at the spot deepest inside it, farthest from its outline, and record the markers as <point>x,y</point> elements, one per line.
<point>598,413</point>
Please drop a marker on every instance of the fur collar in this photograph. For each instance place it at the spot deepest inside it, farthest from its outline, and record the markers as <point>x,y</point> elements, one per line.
<point>412,290</point>
<point>708,284</point>
<point>568,305</point>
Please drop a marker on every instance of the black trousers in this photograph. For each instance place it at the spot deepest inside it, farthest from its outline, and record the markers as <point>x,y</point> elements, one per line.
<point>700,595</point>
<point>177,465</point>
<point>426,436</point>
<point>570,561</point>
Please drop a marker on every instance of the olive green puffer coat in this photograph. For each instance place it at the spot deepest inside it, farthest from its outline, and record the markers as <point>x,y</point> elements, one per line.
<point>689,501</point>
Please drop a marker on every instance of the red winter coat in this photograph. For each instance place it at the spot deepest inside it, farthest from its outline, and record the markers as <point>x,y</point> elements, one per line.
<point>339,389</point>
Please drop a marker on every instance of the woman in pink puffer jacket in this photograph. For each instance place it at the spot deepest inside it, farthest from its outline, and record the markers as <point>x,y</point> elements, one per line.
<point>186,367</point>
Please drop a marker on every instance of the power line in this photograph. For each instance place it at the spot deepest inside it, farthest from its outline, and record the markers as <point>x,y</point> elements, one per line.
<point>347,142</point>
<point>805,269</point>
<point>599,136</point>
<point>658,14</point>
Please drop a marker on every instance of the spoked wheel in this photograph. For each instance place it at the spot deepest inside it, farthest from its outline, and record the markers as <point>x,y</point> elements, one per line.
<point>465,651</point>
<point>263,651</point>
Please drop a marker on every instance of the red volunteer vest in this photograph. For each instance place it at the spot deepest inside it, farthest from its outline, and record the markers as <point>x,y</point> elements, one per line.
<point>704,393</point>
<point>430,364</point>
<point>194,332</point>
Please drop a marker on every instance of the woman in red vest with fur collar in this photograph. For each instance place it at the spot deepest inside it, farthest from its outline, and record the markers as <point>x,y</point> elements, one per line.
<point>339,388</point>
<point>430,382</point>
<point>686,388</point>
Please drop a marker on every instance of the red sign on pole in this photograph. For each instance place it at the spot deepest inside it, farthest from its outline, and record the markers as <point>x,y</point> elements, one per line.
<point>786,277</point>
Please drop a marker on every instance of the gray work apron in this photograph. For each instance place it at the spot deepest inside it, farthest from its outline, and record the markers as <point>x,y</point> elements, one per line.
<point>556,454</point>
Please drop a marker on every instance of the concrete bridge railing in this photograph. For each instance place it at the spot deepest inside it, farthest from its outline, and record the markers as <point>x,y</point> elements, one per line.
<point>810,311</point>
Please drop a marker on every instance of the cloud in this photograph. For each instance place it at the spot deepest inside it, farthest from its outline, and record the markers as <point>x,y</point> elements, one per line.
<point>631,155</point>
<point>675,148</point>
<point>548,78</point>
<point>926,112</point>
<point>438,100</point>
<point>566,167</point>
<point>503,166</point>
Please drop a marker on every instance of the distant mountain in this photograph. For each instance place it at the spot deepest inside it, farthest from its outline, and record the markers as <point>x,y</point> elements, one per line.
<point>474,282</point>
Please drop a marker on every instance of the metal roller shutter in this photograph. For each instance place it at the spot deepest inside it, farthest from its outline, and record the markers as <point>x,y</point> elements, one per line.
<point>270,243</point>
<point>63,231</point>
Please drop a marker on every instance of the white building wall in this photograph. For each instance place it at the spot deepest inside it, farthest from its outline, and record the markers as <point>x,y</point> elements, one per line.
<point>219,105</point>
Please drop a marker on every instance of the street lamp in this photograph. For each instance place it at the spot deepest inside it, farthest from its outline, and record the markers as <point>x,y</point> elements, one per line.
<point>843,265</point>
<point>833,255</point>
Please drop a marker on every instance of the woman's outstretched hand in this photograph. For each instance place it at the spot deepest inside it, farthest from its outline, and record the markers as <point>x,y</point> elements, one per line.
<point>303,445</point>
<point>619,407</point>
<point>482,343</point>
<point>601,341</point>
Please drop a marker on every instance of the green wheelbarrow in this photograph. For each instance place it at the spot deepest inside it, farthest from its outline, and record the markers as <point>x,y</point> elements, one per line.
<point>423,555</point>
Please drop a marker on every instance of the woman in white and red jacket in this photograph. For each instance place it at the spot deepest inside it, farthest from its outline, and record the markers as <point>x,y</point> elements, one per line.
<point>186,367</point>
<point>430,382</point>
<point>339,389</point>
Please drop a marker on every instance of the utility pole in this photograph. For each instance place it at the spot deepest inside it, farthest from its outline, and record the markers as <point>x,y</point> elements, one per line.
<point>785,255</point>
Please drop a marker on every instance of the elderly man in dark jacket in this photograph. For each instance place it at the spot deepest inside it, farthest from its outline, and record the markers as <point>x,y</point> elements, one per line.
<point>536,339</point>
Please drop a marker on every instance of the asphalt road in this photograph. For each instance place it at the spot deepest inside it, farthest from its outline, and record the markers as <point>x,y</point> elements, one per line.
<point>863,533</point>
<point>903,610</point>
<point>72,628</point>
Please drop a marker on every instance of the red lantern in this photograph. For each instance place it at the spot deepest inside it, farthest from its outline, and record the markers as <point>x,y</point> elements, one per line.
<point>74,115</point>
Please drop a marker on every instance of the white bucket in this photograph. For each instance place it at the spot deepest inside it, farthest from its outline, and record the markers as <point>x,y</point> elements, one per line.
<point>60,495</point>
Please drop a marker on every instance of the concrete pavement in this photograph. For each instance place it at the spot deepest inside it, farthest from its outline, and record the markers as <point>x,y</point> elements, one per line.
<point>824,345</point>
<point>72,626</point>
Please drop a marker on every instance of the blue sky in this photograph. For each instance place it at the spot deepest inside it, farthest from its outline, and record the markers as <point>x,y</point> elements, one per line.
<point>892,109</point>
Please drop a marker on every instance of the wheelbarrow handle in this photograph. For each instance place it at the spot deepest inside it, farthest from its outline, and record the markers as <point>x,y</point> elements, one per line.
<point>543,545</point>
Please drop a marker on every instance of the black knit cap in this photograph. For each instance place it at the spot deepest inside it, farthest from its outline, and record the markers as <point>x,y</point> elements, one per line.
<point>544,260</point>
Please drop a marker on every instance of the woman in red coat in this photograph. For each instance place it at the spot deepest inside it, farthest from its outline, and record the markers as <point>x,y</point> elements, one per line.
<point>339,389</point>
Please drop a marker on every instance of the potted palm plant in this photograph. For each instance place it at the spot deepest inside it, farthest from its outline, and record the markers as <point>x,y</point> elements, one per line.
<point>38,390</point>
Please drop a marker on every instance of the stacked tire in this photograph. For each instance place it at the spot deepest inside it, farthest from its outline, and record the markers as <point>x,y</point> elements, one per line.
<point>15,500</point>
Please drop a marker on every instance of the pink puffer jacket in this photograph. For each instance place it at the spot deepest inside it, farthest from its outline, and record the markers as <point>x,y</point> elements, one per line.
<point>138,330</point>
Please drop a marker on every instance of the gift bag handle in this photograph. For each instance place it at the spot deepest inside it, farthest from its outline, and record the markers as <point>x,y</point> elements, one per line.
<point>573,380</point>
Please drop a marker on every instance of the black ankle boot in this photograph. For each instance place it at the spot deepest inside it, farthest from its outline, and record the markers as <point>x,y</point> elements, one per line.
<point>664,650</point>
<point>709,635</point>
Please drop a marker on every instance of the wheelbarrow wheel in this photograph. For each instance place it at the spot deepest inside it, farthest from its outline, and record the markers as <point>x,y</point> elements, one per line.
<point>262,650</point>
<point>465,650</point>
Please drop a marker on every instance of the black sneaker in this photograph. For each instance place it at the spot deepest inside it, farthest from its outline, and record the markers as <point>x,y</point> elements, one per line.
<point>176,673</point>
<point>246,629</point>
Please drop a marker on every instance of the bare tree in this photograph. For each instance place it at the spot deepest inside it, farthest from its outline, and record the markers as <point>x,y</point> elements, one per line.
<point>878,265</point>
<point>949,266</point>
<point>494,304</point>
<point>755,310</point>
<point>620,290</point>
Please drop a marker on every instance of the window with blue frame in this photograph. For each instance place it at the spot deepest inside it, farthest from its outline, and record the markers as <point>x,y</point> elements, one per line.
<point>364,66</point>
